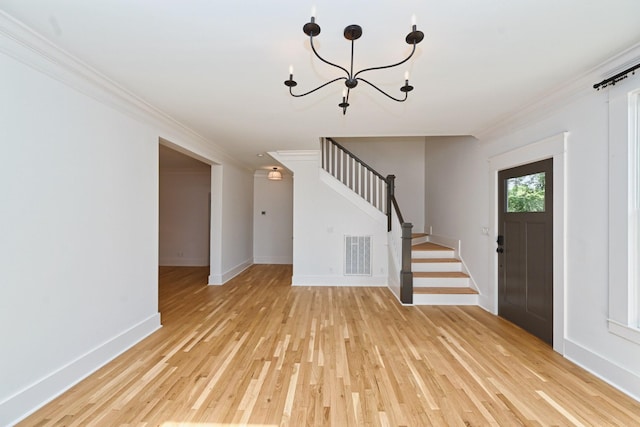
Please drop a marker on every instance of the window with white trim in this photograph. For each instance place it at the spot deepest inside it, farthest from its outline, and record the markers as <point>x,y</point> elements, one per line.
<point>624,209</point>
<point>634,206</point>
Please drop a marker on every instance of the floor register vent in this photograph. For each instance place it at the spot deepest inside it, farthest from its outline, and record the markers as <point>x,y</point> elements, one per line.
<point>357,255</point>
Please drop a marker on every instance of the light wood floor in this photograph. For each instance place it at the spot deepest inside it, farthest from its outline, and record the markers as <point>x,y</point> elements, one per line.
<point>257,351</point>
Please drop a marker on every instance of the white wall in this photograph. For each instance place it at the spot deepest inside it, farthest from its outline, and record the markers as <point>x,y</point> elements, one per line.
<point>78,259</point>
<point>587,340</point>
<point>237,221</point>
<point>457,199</point>
<point>273,229</point>
<point>404,158</point>
<point>184,217</point>
<point>584,114</point>
<point>79,215</point>
<point>322,216</point>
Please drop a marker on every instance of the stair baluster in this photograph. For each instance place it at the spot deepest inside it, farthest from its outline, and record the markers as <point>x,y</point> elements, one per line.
<point>380,193</point>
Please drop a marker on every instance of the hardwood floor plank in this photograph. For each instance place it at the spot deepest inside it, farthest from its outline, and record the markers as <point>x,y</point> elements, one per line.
<point>258,351</point>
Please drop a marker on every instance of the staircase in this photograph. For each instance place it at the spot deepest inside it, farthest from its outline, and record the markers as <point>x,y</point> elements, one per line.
<point>438,275</point>
<point>427,273</point>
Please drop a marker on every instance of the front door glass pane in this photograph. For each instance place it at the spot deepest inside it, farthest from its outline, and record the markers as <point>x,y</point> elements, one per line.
<point>526,193</point>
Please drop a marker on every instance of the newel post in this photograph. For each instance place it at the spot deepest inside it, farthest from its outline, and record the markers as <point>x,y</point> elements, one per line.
<point>391,191</point>
<point>406,276</point>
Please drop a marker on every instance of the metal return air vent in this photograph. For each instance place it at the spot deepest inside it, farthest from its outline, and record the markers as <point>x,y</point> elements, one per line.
<point>357,255</point>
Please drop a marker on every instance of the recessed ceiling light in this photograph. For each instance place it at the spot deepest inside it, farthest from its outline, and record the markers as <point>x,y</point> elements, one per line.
<point>260,155</point>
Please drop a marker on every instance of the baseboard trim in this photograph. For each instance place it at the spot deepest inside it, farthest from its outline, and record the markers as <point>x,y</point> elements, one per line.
<point>184,262</point>
<point>449,242</point>
<point>486,302</point>
<point>273,260</point>
<point>215,280</point>
<point>373,281</point>
<point>624,380</point>
<point>28,400</point>
<point>230,274</point>
<point>221,279</point>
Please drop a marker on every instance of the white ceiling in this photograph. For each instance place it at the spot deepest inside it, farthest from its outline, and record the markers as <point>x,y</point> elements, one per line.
<point>218,67</point>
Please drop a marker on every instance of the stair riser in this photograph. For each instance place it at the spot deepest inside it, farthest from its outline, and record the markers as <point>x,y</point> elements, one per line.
<point>436,266</point>
<point>437,299</point>
<point>436,282</point>
<point>432,254</point>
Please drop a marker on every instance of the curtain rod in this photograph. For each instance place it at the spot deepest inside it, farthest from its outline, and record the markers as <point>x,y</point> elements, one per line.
<point>615,79</point>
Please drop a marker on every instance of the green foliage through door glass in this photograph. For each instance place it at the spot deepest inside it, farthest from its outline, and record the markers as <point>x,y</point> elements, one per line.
<point>526,193</point>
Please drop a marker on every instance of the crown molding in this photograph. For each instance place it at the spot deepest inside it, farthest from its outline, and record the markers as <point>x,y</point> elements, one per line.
<point>553,100</point>
<point>34,50</point>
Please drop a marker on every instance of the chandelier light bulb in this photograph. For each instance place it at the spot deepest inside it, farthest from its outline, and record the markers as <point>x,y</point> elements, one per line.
<point>413,19</point>
<point>352,77</point>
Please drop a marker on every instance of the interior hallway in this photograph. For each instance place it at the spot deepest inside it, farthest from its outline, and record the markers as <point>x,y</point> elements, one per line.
<point>258,351</point>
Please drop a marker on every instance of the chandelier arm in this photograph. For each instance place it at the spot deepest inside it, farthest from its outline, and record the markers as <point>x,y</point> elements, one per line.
<point>406,94</point>
<point>313,48</point>
<point>313,90</point>
<point>387,66</point>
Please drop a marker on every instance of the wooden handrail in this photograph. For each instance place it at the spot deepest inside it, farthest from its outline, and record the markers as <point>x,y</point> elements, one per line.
<point>336,166</point>
<point>355,174</point>
<point>357,159</point>
<point>397,208</point>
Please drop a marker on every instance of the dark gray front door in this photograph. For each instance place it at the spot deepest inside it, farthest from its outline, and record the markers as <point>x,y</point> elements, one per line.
<point>525,247</point>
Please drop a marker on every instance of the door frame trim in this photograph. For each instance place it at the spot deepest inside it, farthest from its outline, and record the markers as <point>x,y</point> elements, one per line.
<point>552,147</point>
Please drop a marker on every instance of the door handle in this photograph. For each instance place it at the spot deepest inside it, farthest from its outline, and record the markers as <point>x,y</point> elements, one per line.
<point>500,250</point>
<point>500,240</point>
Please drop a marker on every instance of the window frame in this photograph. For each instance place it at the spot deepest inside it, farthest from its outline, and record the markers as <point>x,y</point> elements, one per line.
<point>508,189</point>
<point>624,199</point>
<point>634,205</point>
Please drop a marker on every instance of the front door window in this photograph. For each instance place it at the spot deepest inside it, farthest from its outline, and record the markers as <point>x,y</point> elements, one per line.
<point>526,193</point>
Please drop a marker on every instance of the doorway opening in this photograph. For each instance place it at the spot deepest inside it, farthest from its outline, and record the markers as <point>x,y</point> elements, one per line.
<point>184,210</point>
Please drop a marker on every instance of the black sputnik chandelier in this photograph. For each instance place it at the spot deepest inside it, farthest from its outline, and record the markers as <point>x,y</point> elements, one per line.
<point>353,33</point>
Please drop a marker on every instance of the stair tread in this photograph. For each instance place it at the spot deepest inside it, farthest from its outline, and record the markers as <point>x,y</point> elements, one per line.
<point>416,235</point>
<point>427,260</point>
<point>440,274</point>
<point>429,246</point>
<point>445,290</point>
